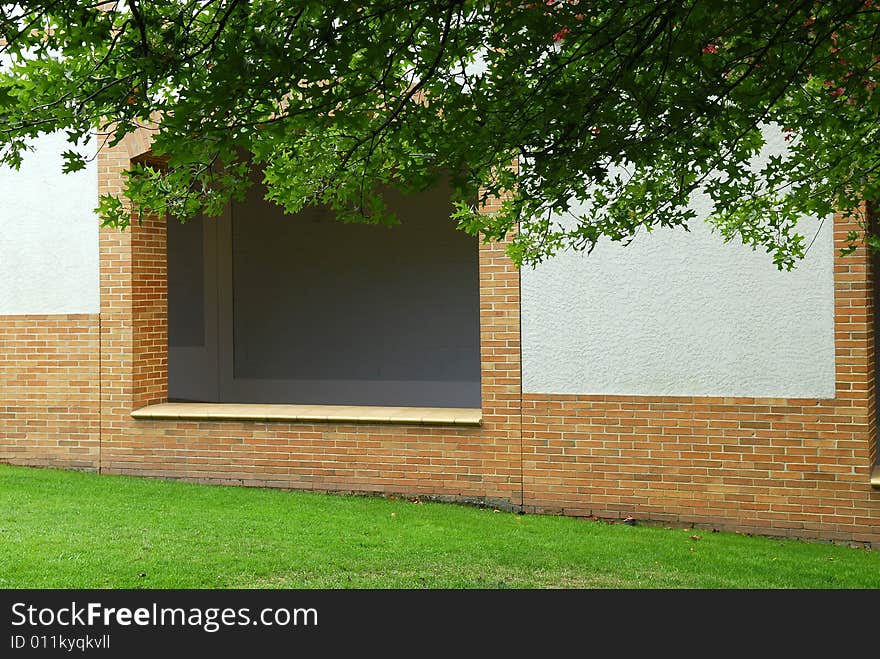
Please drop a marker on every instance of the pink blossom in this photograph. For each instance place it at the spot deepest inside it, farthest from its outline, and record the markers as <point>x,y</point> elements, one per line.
<point>559,36</point>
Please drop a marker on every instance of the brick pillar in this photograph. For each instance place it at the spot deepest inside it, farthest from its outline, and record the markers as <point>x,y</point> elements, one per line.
<point>501,355</point>
<point>854,339</point>
<point>149,300</point>
<point>129,280</point>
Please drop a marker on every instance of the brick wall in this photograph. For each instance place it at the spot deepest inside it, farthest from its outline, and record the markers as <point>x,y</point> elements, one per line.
<point>149,312</point>
<point>49,390</point>
<point>776,466</point>
<point>471,463</point>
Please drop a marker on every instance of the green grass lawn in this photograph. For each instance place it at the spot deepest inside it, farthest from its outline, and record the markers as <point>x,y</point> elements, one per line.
<point>71,530</point>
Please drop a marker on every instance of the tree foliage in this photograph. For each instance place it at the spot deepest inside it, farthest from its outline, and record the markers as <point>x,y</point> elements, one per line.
<point>617,111</point>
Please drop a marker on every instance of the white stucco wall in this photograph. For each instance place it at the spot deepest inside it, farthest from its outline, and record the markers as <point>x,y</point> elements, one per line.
<point>48,234</point>
<point>679,313</point>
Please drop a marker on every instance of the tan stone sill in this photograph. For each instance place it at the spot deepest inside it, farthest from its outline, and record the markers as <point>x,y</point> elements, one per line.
<point>427,416</point>
<point>875,477</point>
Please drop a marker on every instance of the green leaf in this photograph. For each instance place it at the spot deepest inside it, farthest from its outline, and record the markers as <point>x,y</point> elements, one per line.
<point>72,162</point>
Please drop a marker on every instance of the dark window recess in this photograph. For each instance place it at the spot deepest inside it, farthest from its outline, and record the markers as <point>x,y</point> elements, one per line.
<point>312,311</point>
<point>186,284</point>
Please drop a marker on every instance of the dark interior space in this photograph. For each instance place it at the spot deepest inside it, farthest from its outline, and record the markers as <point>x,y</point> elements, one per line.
<point>265,307</point>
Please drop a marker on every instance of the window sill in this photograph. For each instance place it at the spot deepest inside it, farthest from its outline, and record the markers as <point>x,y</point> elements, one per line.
<point>427,416</point>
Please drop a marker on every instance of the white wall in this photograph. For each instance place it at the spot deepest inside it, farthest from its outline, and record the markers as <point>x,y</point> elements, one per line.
<point>48,234</point>
<point>681,314</point>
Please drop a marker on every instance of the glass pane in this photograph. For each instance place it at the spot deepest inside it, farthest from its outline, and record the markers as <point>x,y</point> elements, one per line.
<point>317,300</point>
<point>186,284</point>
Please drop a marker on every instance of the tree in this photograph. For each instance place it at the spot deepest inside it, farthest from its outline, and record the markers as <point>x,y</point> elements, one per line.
<point>616,111</point>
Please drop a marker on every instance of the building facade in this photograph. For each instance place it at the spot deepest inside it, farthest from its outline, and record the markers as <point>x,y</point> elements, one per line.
<point>677,380</point>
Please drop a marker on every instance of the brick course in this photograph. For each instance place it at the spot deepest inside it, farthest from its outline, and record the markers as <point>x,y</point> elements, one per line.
<point>49,412</point>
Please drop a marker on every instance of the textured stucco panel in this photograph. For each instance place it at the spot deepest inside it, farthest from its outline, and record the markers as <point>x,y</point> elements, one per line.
<point>48,234</point>
<point>681,314</point>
